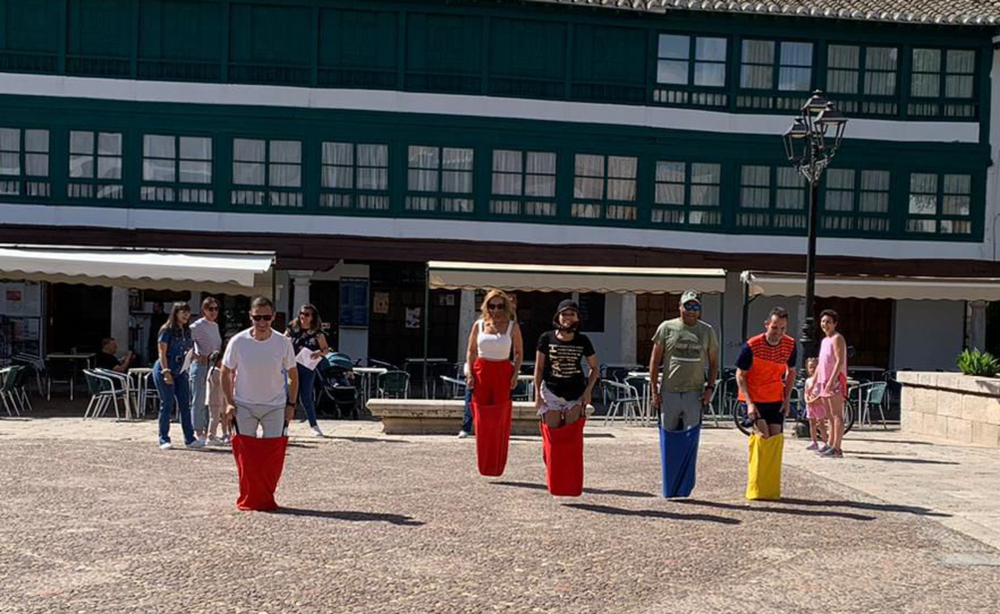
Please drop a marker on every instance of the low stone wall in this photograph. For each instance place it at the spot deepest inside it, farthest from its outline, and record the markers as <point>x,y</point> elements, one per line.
<point>443,416</point>
<point>962,408</point>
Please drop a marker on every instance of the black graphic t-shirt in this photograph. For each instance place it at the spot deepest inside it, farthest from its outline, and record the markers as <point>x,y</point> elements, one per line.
<point>563,373</point>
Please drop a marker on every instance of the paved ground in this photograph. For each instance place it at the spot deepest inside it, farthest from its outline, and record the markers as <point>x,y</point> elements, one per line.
<point>97,519</point>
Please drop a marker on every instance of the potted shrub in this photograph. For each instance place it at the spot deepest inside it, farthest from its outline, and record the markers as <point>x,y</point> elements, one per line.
<point>974,362</point>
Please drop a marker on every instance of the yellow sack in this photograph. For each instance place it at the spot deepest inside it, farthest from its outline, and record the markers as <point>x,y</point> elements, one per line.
<point>764,475</point>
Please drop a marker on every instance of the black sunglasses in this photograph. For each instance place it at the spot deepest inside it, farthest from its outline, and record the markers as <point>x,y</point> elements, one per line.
<point>266,317</point>
<point>212,308</point>
<point>495,306</point>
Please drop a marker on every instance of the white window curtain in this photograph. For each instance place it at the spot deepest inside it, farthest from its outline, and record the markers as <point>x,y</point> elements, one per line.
<point>248,161</point>
<point>880,71</point>
<point>710,62</point>
<point>621,177</point>
<point>875,191</point>
<point>196,159</point>
<point>843,68</point>
<point>757,70</point>
<point>791,193</point>
<point>540,180</point>
<point>285,164</point>
<point>424,165</point>
<point>957,190</point>
<point>755,188</point>
<point>839,189</point>
<point>373,167</point>
<point>705,181</point>
<point>81,159</point>
<point>670,183</point>
<point>673,54</point>
<point>926,80</point>
<point>796,67</point>
<point>10,151</point>
<point>507,169</point>
<point>961,65</point>
<point>923,194</point>
<point>159,152</point>
<point>589,180</point>
<point>36,157</point>
<point>456,178</point>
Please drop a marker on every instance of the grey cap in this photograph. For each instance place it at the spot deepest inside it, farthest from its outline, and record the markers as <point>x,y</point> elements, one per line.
<point>690,295</point>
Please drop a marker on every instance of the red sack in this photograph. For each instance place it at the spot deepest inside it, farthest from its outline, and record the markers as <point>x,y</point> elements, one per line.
<point>492,424</point>
<point>259,463</point>
<point>562,449</point>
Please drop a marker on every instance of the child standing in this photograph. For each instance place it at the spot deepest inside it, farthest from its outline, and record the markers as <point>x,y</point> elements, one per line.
<point>216,401</point>
<point>815,409</point>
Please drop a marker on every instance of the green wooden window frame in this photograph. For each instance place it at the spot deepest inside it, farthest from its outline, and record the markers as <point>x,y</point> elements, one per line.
<point>523,183</point>
<point>771,197</point>
<point>354,176</point>
<point>687,194</point>
<point>177,169</point>
<point>692,70</point>
<point>267,172</point>
<point>940,203</point>
<point>24,163</point>
<point>856,201</point>
<point>864,79</point>
<point>605,187</point>
<point>943,83</point>
<point>96,161</point>
<point>774,74</point>
<point>440,179</point>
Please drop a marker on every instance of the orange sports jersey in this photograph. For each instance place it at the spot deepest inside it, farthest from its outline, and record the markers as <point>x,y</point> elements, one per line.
<point>766,366</point>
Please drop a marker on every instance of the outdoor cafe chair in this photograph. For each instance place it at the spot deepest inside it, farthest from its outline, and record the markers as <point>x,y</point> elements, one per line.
<point>624,398</point>
<point>872,394</point>
<point>122,387</point>
<point>394,385</point>
<point>59,372</point>
<point>102,393</point>
<point>641,386</point>
<point>21,389</point>
<point>37,366</point>
<point>8,383</point>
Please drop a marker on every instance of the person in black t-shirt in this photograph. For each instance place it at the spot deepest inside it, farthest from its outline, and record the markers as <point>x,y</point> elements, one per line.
<point>106,358</point>
<point>562,392</point>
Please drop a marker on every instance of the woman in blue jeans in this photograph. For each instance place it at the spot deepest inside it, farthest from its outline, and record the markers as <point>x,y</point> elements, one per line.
<point>173,344</point>
<point>306,333</point>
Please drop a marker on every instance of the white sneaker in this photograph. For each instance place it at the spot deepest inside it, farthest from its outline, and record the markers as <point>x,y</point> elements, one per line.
<point>463,434</point>
<point>317,432</point>
<point>215,442</point>
<point>166,445</point>
<point>197,443</point>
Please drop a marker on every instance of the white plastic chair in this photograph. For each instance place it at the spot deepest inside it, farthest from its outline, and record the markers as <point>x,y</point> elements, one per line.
<point>624,398</point>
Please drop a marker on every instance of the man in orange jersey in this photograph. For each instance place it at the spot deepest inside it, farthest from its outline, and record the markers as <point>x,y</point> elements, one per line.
<point>765,374</point>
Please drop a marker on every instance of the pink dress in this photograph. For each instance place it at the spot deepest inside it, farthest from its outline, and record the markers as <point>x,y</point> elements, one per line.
<point>830,383</point>
<point>816,410</point>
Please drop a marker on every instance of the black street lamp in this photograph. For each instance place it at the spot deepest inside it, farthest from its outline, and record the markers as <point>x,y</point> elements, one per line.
<point>811,142</point>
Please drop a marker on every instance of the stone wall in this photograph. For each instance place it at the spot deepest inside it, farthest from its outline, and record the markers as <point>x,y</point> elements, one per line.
<point>961,408</point>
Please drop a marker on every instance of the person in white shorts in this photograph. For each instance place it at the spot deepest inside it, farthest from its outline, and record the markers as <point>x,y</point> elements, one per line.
<point>259,377</point>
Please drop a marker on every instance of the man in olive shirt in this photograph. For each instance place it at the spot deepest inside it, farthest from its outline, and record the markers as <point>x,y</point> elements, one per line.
<point>683,345</point>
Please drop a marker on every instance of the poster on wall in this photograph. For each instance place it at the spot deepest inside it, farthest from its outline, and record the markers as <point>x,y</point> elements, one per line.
<point>14,295</point>
<point>354,302</point>
<point>413,317</point>
<point>380,303</point>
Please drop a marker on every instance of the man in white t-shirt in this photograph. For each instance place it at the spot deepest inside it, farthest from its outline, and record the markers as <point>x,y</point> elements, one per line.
<point>255,368</point>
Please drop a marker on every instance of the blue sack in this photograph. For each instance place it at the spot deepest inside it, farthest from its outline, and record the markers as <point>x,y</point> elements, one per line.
<point>679,458</point>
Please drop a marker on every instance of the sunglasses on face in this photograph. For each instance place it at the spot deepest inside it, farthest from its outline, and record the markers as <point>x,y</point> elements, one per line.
<point>305,313</point>
<point>692,307</point>
<point>212,308</point>
<point>266,317</point>
<point>495,306</point>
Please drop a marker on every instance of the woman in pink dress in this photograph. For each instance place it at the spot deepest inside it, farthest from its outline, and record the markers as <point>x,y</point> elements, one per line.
<point>831,377</point>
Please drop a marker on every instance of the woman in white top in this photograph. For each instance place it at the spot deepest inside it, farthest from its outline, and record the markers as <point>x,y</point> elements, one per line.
<point>488,369</point>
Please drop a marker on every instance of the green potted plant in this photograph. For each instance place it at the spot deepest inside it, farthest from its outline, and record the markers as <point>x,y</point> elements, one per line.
<point>974,362</point>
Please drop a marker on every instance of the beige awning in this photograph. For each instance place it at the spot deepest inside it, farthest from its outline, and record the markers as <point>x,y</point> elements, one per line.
<point>550,278</point>
<point>210,271</point>
<point>874,286</point>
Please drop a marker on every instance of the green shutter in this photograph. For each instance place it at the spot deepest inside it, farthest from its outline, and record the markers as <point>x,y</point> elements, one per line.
<point>444,53</point>
<point>527,58</point>
<point>609,64</point>
<point>357,48</point>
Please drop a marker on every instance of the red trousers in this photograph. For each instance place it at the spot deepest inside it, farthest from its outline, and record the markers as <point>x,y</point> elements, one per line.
<point>491,414</point>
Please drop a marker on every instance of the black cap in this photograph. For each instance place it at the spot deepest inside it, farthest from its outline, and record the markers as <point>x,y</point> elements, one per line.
<point>568,304</point>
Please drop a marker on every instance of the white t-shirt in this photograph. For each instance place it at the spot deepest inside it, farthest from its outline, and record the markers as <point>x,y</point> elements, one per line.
<point>261,368</point>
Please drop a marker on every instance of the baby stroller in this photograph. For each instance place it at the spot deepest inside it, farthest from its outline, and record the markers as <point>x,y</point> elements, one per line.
<point>336,379</point>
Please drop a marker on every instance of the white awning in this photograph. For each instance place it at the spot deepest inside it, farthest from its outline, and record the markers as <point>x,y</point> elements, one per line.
<point>211,271</point>
<point>551,278</point>
<point>874,286</point>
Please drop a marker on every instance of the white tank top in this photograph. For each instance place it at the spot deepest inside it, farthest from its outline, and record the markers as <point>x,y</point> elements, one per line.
<point>494,346</point>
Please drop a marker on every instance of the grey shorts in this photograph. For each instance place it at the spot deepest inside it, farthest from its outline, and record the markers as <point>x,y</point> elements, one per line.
<point>680,410</point>
<point>271,419</point>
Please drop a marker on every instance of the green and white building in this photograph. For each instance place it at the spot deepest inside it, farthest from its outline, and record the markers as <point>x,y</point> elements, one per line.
<point>361,140</point>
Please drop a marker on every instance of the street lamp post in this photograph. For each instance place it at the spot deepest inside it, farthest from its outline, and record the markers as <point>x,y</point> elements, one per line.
<point>811,142</point>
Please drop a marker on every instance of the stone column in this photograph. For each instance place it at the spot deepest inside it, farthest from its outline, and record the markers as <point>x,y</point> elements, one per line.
<point>628,327</point>
<point>119,319</point>
<point>467,313</point>
<point>300,292</point>
<point>977,325</point>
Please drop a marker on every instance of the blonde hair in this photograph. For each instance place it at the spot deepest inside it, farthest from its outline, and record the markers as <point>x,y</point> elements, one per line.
<point>811,361</point>
<point>508,305</point>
